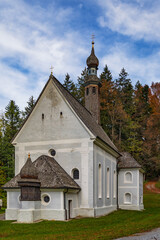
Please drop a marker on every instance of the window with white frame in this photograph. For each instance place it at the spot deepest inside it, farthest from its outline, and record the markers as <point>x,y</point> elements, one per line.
<point>128,177</point>
<point>45,199</point>
<point>108,182</point>
<point>100,181</point>
<point>127,198</point>
<point>114,184</point>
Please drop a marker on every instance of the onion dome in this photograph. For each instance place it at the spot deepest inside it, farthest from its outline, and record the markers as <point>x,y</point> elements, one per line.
<point>29,170</point>
<point>92,60</point>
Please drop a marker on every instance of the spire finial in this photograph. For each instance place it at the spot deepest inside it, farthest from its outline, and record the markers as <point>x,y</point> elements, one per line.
<point>93,37</point>
<point>29,155</point>
<point>51,70</point>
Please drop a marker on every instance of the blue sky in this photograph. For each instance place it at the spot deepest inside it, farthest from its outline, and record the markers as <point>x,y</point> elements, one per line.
<point>35,34</point>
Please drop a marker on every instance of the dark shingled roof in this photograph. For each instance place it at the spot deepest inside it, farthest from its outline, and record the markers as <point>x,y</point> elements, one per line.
<point>127,161</point>
<point>50,174</point>
<point>92,60</point>
<point>29,170</point>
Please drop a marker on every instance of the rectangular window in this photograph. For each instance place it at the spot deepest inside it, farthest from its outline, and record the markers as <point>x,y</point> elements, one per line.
<point>108,183</point>
<point>94,90</point>
<point>100,181</point>
<point>87,91</point>
<point>114,184</point>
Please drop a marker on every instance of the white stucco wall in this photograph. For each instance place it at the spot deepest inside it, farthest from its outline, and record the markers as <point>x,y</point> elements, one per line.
<point>65,133</point>
<point>39,135</point>
<point>132,187</point>
<point>56,199</point>
<point>105,203</point>
<point>141,189</point>
<point>13,198</point>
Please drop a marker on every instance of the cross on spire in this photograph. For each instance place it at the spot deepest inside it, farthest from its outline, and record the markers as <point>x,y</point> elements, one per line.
<point>93,37</point>
<point>51,69</point>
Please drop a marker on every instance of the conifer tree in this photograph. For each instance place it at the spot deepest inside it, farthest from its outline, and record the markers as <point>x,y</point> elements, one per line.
<point>112,113</point>
<point>11,124</point>
<point>69,85</point>
<point>125,89</point>
<point>107,95</point>
<point>12,119</point>
<point>81,88</point>
<point>29,107</point>
<point>106,75</point>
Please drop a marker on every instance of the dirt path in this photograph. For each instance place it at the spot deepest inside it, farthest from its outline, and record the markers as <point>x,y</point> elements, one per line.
<point>151,187</point>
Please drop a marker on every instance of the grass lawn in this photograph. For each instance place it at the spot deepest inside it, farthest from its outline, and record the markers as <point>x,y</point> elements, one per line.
<point>117,224</point>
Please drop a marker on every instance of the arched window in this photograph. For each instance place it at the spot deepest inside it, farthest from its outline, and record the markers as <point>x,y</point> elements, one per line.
<point>128,177</point>
<point>127,198</point>
<point>75,173</point>
<point>99,181</point>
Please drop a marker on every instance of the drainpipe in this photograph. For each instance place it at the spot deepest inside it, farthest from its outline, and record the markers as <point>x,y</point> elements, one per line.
<point>117,184</point>
<point>65,209</point>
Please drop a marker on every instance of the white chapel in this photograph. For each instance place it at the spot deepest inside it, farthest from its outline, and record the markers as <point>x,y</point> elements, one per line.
<point>73,169</point>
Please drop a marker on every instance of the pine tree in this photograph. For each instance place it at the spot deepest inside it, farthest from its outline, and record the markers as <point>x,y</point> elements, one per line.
<point>81,88</point>
<point>125,89</point>
<point>107,96</point>
<point>106,75</point>
<point>11,123</point>
<point>12,119</point>
<point>112,113</point>
<point>69,85</point>
<point>29,107</point>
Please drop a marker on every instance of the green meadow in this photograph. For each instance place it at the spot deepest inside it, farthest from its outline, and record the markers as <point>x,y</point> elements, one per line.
<point>117,224</point>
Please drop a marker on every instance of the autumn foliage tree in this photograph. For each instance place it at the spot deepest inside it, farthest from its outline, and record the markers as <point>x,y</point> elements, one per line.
<point>152,132</point>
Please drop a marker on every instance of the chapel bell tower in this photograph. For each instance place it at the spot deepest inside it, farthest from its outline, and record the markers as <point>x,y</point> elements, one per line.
<point>92,86</point>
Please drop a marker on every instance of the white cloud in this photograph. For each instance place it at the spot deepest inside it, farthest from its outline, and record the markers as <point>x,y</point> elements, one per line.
<point>145,69</point>
<point>33,39</point>
<point>138,19</point>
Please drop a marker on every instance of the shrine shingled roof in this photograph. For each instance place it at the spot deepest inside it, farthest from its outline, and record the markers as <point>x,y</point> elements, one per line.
<point>127,161</point>
<point>50,174</point>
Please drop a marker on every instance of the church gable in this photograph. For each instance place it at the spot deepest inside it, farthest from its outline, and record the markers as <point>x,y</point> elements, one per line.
<point>51,119</point>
